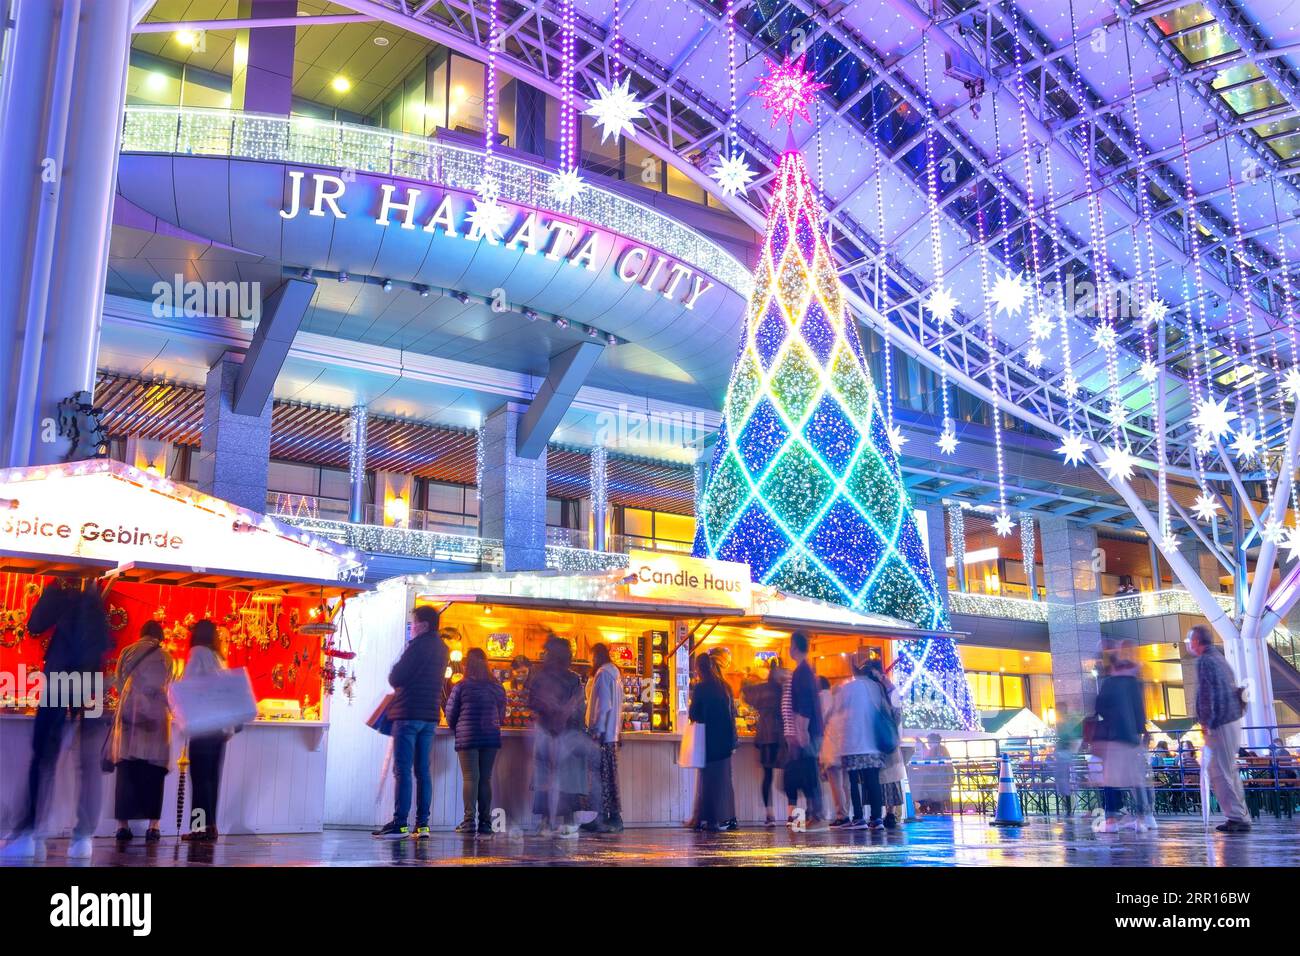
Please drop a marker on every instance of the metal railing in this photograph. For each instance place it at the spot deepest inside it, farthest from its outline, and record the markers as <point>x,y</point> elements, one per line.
<point>303,139</point>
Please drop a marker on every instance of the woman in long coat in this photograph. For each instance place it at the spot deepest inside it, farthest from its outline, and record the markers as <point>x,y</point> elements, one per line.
<point>141,745</point>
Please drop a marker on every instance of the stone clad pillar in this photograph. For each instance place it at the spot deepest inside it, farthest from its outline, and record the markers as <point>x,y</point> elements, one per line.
<point>235,449</point>
<point>936,545</point>
<point>513,508</point>
<point>599,496</point>
<point>357,464</point>
<point>1071,576</point>
<point>263,75</point>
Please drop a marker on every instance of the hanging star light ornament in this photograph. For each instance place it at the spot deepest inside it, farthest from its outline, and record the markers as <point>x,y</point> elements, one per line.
<point>1291,382</point>
<point>1117,414</point>
<point>1272,531</point>
<point>1070,384</point>
<point>1003,524</point>
<point>1169,544</point>
<point>1073,449</point>
<point>488,188</point>
<point>1034,356</point>
<point>732,174</point>
<point>1214,418</point>
<point>1149,371</point>
<point>1153,311</point>
<point>896,439</point>
<point>1009,293</point>
<point>1293,544</point>
<point>488,219</point>
<point>567,185</point>
<point>1205,508</point>
<point>1118,463</point>
<point>1104,337</point>
<point>1040,326</point>
<point>941,304</point>
<point>1245,445</point>
<point>614,109</point>
<point>1203,443</point>
<point>948,439</point>
<point>788,89</point>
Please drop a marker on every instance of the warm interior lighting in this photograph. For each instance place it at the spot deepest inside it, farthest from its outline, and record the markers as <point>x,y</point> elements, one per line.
<point>187,38</point>
<point>396,510</point>
<point>156,81</point>
<point>341,84</point>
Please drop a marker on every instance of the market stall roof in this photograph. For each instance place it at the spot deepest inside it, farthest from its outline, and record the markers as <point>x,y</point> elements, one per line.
<point>24,562</point>
<point>144,572</point>
<point>645,608</point>
<point>870,624</point>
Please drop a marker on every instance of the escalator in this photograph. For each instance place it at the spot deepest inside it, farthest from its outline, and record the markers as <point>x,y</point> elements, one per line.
<point>1286,679</point>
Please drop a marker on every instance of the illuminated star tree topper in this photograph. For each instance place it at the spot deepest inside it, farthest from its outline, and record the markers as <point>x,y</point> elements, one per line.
<point>805,485</point>
<point>788,89</point>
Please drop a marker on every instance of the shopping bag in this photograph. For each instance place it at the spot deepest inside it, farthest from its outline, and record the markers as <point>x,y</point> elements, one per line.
<point>380,720</point>
<point>212,703</point>
<point>692,752</point>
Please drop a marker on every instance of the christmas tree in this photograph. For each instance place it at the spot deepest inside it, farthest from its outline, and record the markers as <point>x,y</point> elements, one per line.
<point>805,486</point>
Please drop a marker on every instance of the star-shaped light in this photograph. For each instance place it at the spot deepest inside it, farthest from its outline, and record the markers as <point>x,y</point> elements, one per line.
<point>1203,443</point>
<point>614,109</point>
<point>1070,384</point>
<point>1009,293</point>
<point>1104,337</point>
<point>1213,418</point>
<point>1034,356</point>
<point>1291,382</point>
<point>489,219</point>
<point>1245,445</point>
<point>1272,531</point>
<point>1073,448</point>
<point>732,174</point>
<point>941,304</point>
<point>788,89</point>
<point>948,441</point>
<point>1149,371</point>
<point>488,188</point>
<point>1003,524</point>
<point>1118,463</point>
<point>1153,311</point>
<point>1040,326</point>
<point>567,185</point>
<point>1205,507</point>
<point>1292,544</point>
<point>1117,414</point>
<point>897,439</point>
<point>1169,544</point>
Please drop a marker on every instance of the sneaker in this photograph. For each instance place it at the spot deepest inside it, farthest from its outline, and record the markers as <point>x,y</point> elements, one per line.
<point>393,831</point>
<point>730,825</point>
<point>591,826</point>
<point>891,822</point>
<point>1150,821</point>
<point>816,826</point>
<point>841,822</point>
<point>123,835</point>
<point>22,847</point>
<point>421,833</point>
<point>1233,826</point>
<point>1108,825</point>
<point>485,829</point>
<point>875,824</point>
<point>858,824</point>
<point>611,825</point>
<point>80,848</point>
<point>466,826</point>
<point>152,835</point>
<point>567,832</point>
<point>770,821</point>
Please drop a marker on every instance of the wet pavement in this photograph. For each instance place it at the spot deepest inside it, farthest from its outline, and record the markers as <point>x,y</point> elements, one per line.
<point>964,841</point>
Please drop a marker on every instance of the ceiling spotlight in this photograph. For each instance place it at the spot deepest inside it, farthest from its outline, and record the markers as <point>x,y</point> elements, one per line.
<point>341,84</point>
<point>388,285</point>
<point>343,277</point>
<point>424,291</point>
<point>461,297</point>
<point>561,322</point>
<point>531,315</point>
<point>381,41</point>
<point>611,339</point>
<point>187,38</point>
<point>593,332</point>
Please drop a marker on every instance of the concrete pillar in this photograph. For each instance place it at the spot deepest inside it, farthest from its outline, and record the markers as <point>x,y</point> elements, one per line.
<point>148,454</point>
<point>956,544</point>
<point>513,508</point>
<point>263,68</point>
<point>60,123</point>
<point>394,493</point>
<point>235,449</point>
<point>1209,570</point>
<point>1029,557</point>
<point>357,464</point>
<point>936,545</point>
<point>599,496</point>
<point>1070,576</point>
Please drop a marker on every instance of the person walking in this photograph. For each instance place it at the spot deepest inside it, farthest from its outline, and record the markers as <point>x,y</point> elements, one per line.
<point>79,639</point>
<point>894,771</point>
<point>711,706</point>
<point>769,734</point>
<point>831,751</point>
<point>1219,710</point>
<point>559,769</point>
<point>864,703</point>
<point>417,680</point>
<point>141,742</point>
<point>475,710</point>
<point>604,720</point>
<point>207,752</point>
<point>1117,741</point>
<point>802,719</point>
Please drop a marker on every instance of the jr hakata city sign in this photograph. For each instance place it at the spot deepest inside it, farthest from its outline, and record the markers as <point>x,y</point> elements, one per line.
<point>536,233</point>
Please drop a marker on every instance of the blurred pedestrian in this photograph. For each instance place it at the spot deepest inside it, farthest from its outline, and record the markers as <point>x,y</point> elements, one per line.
<point>1282,759</point>
<point>831,753</point>
<point>893,772</point>
<point>711,706</point>
<point>869,736</point>
<point>935,785</point>
<point>769,735</point>
<point>141,742</point>
<point>74,658</point>
<point>604,720</point>
<point>1220,708</point>
<point>475,710</point>
<point>1117,740</point>
<point>559,765</point>
<point>802,719</point>
<point>207,752</point>
<point>417,680</point>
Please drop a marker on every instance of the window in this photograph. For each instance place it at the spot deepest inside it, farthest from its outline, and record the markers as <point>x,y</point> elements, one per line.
<point>998,691</point>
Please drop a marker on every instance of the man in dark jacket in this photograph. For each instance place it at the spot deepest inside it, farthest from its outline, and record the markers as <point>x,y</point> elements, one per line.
<point>417,680</point>
<point>1219,711</point>
<point>802,718</point>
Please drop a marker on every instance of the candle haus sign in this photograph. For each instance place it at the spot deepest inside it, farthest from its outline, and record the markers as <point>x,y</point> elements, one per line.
<point>679,579</point>
<point>439,211</point>
<point>109,511</point>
